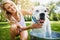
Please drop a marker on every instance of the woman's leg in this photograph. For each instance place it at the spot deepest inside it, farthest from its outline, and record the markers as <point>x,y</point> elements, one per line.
<point>13,31</point>
<point>24,35</point>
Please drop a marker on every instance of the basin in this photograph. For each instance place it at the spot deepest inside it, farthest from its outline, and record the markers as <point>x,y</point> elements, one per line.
<point>54,36</point>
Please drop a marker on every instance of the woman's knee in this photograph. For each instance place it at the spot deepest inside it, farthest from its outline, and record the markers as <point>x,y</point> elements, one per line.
<point>24,35</point>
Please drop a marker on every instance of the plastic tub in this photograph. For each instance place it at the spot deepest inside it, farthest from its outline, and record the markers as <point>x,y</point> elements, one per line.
<point>54,36</point>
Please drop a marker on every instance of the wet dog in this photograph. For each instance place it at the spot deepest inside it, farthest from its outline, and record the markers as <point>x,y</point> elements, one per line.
<point>40,13</point>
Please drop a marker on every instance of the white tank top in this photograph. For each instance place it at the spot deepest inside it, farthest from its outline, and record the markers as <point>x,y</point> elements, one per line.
<point>22,21</point>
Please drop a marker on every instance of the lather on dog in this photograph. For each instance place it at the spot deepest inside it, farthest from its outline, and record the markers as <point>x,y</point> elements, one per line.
<point>16,20</point>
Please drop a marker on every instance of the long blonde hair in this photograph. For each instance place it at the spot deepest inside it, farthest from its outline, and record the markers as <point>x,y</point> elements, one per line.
<point>7,14</point>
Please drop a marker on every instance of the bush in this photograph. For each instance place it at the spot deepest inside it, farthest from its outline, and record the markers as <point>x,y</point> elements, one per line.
<point>27,18</point>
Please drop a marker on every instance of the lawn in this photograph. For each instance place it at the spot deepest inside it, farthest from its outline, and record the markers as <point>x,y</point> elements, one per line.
<point>4,29</point>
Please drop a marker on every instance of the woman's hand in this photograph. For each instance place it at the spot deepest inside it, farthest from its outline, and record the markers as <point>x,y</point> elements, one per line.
<point>37,25</point>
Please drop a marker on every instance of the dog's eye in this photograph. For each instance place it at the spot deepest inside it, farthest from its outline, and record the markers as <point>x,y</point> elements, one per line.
<point>37,10</point>
<point>45,11</point>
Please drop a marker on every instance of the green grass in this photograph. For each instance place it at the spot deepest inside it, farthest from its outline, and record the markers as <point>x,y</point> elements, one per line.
<point>4,29</point>
<point>55,25</point>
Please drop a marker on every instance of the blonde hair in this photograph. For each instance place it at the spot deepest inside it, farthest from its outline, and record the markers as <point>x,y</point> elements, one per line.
<point>6,13</point>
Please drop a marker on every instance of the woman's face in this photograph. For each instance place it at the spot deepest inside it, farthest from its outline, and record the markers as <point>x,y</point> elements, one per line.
<point>10,7</point>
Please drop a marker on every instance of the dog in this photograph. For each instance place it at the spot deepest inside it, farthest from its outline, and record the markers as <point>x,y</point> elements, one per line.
<point>40,13</point>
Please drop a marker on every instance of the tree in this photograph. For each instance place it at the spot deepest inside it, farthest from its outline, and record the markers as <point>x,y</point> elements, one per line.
<point>52,14</point>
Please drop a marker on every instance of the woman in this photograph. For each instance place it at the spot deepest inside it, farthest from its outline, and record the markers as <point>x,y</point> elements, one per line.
<point>16,19</point>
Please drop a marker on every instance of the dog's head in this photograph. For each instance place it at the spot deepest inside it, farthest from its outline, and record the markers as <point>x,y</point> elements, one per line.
<point>40,13</point>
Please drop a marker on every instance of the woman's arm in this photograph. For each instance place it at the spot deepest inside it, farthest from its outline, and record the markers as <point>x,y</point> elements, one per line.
<point>33,26</point>
<point>25,12</point>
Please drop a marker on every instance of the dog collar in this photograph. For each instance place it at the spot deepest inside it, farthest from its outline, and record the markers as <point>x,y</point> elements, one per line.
<point>34,19</point>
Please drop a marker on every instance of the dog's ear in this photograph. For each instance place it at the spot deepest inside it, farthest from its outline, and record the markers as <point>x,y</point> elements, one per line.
<point>32,9</point>
<point>47,9</point>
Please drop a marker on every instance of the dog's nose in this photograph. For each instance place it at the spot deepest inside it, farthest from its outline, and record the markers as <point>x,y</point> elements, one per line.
<point>42,16</point>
